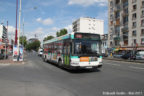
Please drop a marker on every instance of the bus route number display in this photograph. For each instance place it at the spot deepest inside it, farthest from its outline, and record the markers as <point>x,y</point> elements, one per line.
<point>87,36</point>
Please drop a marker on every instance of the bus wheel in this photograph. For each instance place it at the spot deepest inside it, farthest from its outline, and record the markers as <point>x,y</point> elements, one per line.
<point>60,63</point>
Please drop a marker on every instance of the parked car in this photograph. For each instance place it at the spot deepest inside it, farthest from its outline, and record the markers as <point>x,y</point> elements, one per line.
<point>104,55</point>
<point>129,55</point>
<point>40,52</point>
<point>1,56</point>
<point>117,55</point>
<point>140,55</point>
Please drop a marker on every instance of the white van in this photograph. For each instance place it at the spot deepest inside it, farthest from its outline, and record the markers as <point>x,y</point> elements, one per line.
<point>40,52</point>
<point>140,55</point>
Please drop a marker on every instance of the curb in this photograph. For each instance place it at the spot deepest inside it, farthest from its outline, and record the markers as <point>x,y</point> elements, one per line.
<point>124,60</point>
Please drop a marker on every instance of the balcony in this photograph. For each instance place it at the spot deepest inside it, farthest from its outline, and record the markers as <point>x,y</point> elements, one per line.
<point>125,28</point>
<point>125,43</point>
<point>142,24</point>
<point>117,38</point>
<point>125,4</point>
<point>117,7</point>
<point>117,22</point>
<point>134,18</point>
<point>125,13</point>
<point>142,15</point>
<point>142,6</point>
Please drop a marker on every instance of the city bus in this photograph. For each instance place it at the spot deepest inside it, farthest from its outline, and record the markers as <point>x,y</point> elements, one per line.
<point>74,51</point>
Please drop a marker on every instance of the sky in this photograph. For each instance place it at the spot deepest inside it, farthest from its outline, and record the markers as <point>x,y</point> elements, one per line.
<point>46,17</point>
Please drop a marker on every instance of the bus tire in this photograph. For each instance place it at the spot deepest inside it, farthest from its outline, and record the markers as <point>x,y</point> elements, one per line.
<point>60,63</point>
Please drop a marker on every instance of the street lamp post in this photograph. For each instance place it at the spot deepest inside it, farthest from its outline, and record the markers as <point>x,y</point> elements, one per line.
<point>19,30</point>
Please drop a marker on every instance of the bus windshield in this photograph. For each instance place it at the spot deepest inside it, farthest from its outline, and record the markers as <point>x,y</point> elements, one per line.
<point>86,47</point>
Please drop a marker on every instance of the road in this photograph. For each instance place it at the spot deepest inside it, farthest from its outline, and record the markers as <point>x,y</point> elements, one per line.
<point>37,78</point>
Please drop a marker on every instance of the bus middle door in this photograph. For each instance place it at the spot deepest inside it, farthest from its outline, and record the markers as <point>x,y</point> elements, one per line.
<point>67,54</point>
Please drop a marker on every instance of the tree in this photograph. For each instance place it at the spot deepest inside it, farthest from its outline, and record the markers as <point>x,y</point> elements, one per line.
<point>23,40</point>
<point>61,32</point>
<point>57,34</point>
<point>48,38</point>
<point>33,46</point>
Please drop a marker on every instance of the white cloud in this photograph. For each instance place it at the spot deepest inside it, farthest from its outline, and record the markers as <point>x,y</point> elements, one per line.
<point>11,29</point>
<point>88,2</point>
<point>69,28</point>
<point>55,29</point>
<point>11,32</point>
<point>38,31</point>
<point>47,21</point>
<point>41,33</point>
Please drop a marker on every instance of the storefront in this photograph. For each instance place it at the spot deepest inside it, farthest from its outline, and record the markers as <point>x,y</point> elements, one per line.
<point>123,50</point>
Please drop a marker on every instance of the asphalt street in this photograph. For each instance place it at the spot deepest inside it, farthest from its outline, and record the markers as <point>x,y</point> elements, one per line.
<point>38,78</point>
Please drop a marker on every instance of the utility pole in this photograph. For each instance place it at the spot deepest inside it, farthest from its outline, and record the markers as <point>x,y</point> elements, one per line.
<point>16,23</point>
<point>23,34</point>
<point>19,30</point>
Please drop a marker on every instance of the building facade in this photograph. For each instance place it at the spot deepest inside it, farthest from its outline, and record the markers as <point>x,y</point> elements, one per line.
<point>126,23</point>
<point>88,25</point>
<point>3,34</point>
<point>104,46</point>
<point>3,39</point>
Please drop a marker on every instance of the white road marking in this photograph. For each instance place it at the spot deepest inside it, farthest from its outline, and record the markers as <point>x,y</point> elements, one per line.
<point>127,62</point>
<point>4,64</point>
<point>113,64</point>
<point>141,68</point>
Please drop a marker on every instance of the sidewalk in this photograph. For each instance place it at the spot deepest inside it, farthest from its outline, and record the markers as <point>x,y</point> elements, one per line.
<point>126,60</point>
<point>10,61</point>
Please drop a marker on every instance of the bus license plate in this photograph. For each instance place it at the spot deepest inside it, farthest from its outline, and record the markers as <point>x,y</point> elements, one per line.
<point>88,67</point>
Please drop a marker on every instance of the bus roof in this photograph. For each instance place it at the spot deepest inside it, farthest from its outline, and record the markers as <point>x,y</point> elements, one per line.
<point>58,38</point>
<point>71,35</point>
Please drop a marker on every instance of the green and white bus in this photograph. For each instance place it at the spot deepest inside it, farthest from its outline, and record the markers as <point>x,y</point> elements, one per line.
<point>74,51</point>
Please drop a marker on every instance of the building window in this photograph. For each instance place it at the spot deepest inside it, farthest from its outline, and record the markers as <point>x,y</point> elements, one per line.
<point>134,25</point>
<point>142,32</point>
<point>111,44</point>
<point>111,3</point>
<point>117,14</point>
<point>134,16</point>
<point>111,17</point>
<point>142,15</point>
<point>117,1</point>
<point>117,29</point>
<point>125,19</point>
<point>134,33</point>
<point>133,1</point>
<point>125,3</point>
<point>142,41</point>
<point>142,23</point>
<point>134,7</point>
<point>142,4</point>
<point>111,9</point>
<point>135,41</point>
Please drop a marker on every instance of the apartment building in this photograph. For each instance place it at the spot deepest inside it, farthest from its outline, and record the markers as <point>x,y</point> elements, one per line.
<point>3,39</point>
<point>104,41</point>
<point>126,24</point>
<point>3,34</point>
<point>88,25</point>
